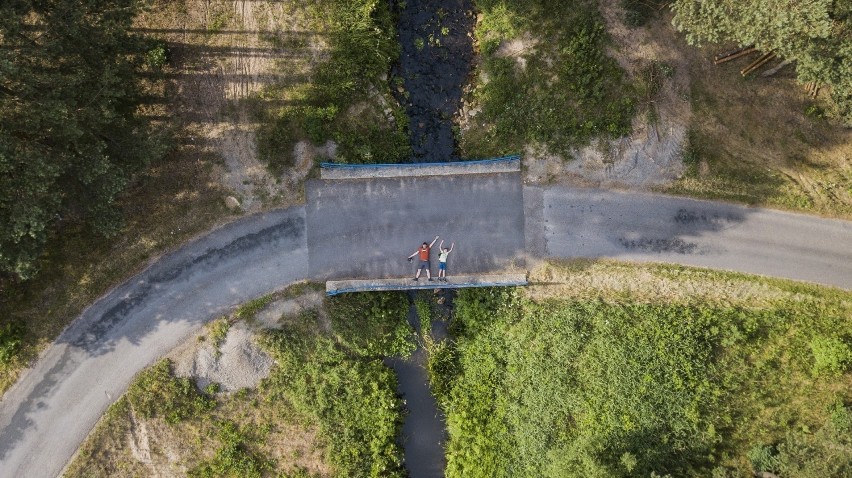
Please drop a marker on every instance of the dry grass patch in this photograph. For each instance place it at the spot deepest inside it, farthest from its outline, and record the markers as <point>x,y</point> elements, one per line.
<point>585,278</point>
<point>125,444</point>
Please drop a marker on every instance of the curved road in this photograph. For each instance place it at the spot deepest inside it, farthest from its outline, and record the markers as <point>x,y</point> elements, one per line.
<point>47,414</point>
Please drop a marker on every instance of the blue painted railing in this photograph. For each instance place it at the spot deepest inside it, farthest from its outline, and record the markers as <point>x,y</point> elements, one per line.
<point>513,157</point>
<point>438,285</point>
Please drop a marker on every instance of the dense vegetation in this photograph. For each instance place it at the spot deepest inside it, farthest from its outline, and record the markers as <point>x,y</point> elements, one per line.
<point>563,92</point>
<point>70,138</point>
<point>816,34</point>
<point>588,388</point>
<point>329,377</point>
<point>340,104</point>
<point>339,380</point>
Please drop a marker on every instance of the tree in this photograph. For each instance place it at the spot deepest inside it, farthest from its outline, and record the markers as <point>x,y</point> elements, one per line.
<point>70,135</point>
<point>816,34</point>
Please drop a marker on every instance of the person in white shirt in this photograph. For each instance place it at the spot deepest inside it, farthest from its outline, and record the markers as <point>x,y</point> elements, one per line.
<point>442,260</point>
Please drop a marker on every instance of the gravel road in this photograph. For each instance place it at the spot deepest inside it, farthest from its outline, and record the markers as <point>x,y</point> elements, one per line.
<point>47,414</point>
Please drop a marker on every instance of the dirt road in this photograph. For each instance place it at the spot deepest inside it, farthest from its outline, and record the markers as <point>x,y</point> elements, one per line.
<point>48,413</point>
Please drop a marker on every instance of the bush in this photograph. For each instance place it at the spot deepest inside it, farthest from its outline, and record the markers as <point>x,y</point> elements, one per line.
<point>363,46</point>
<point>158,393</point>
<point>374,324</point>
<point>11,335</point>
<point>234,458</point>
<point>569,92</point>
<point>832,356</point>
<point>158,54</point>
<point>339,380</point>
<point>763,458</point>
<point>595,389</point>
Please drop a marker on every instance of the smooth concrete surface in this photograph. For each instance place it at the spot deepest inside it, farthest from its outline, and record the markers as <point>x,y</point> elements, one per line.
<point>407,283</point>
<point>649,227</point>
<point>370,171</point>
<point>367,228</point>
<point>364,229</point>
<point>47,414</point>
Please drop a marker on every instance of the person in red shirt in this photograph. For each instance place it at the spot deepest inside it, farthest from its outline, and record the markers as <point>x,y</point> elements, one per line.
<point>423,253</point>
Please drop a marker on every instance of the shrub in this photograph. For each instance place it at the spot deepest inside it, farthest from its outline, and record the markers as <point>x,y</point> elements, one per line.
<point>158,393</point>
<point>763,458</point>
<point>158,54</point>
<point>374,324</point>
<point>11,335</point>
<point>832,356</point>
<point>234,458</point>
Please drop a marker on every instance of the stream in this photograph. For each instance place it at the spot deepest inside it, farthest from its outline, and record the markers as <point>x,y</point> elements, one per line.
<point>423,431</point>
<point>435,65</point>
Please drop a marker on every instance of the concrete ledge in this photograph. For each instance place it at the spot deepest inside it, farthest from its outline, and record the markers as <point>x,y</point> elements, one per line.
<point>453,282</point>
<point>506,164</point>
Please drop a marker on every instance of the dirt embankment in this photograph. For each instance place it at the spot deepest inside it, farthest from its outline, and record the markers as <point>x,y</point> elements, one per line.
<point>651,155</point>
<point>224,56</point>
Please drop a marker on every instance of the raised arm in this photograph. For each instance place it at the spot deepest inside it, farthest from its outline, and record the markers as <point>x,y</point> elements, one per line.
<point>441,245</point>
<point>433,241</point>
<point>451,247</point>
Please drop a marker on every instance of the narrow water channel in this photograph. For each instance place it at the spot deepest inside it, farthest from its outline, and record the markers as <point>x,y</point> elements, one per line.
<point>435,64</point>
<point>424,431</point>
<point>436,39</point>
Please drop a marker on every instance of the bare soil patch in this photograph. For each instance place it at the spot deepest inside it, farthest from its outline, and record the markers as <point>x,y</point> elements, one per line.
<point>705,131</point>
<point>225,56</point>
<point>651,154</point>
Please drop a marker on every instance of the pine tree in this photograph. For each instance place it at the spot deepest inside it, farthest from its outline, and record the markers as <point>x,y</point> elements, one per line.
<point>70,136</point>
<point>817,34</point>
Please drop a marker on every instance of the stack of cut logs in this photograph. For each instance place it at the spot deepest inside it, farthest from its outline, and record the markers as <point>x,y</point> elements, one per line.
<point>811,88</point>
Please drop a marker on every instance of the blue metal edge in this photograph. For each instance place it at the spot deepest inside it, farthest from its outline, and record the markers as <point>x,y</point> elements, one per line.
<point>425,286</point>
<point>513,157</point>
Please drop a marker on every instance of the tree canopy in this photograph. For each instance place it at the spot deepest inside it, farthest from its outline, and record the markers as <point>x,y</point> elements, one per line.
<point>816,34</point>
<point>70,135</point>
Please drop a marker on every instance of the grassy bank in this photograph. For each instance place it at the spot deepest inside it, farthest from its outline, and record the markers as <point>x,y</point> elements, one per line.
<point>543,79</point>
<point>328,408</point>
<point>762,141</point>
<point>580,375</point>
<point>348,100</point>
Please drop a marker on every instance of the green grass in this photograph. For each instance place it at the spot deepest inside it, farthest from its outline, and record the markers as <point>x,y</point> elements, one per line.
<point>156,392</point>
<point>568,92</point>
<point>327,388</point>
<point>340,381</point>
<point>545,384</point>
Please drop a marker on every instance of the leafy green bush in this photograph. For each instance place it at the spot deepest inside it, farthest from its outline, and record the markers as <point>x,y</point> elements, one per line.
<point>11,335</point>
<point>373,325</point>
<point>832,356</point>
<point>363,46</point>
<point>805,454</point>
<point>441,366</point>
<point>763,458</point>
<point>353,400</point>
<point>423,306</point>
<point>234,458</point>
<point>339,380</point>
<point>569,90</point>
<point>158,393</point>
<point>158,54</point>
